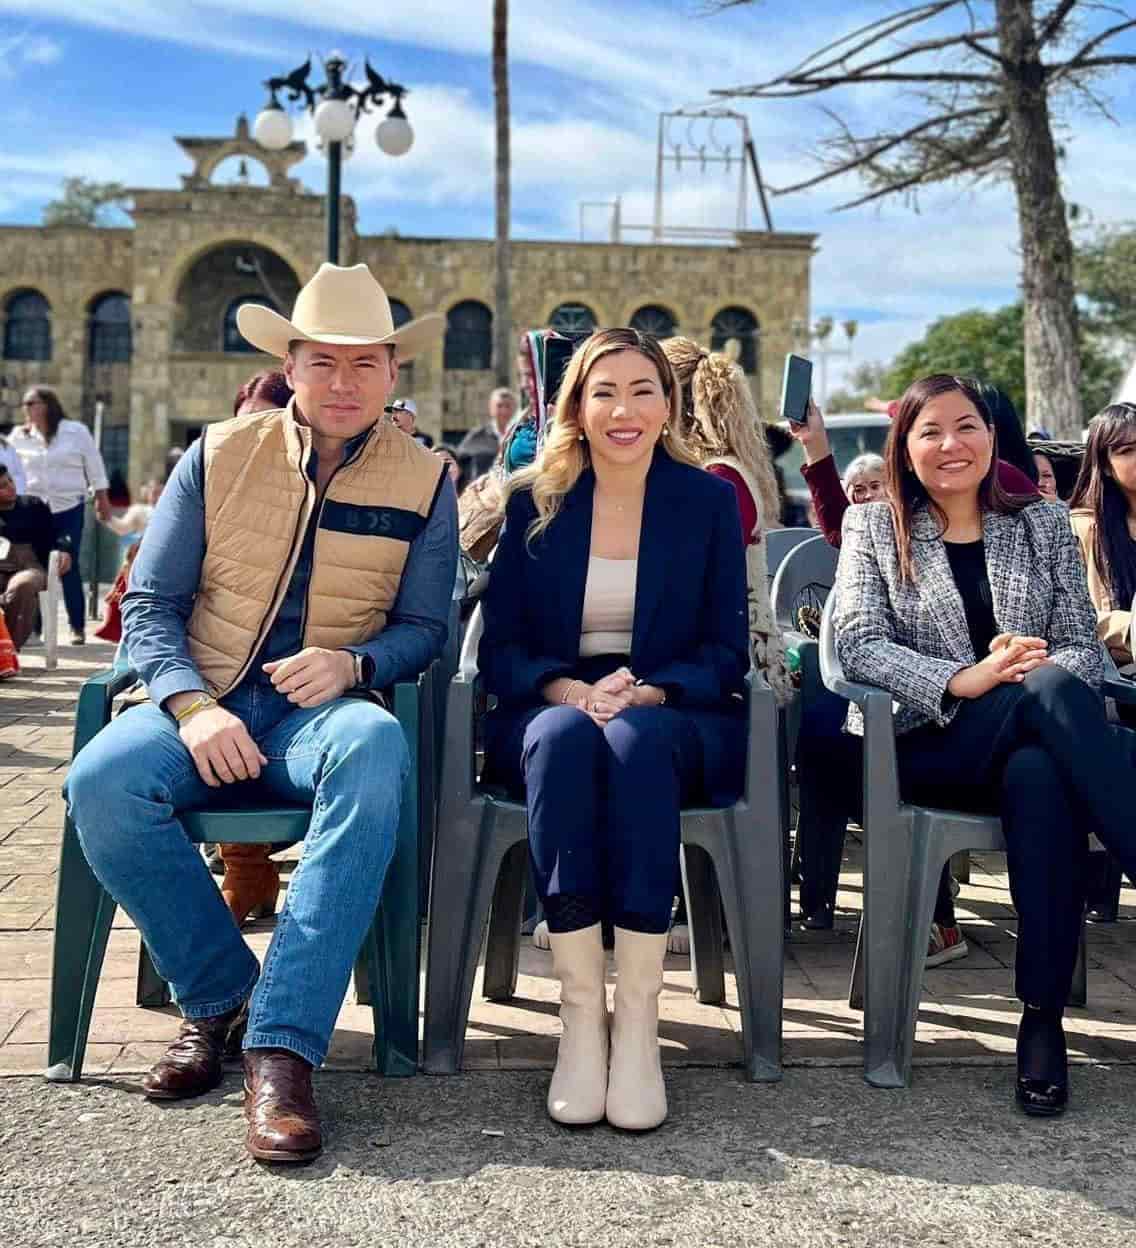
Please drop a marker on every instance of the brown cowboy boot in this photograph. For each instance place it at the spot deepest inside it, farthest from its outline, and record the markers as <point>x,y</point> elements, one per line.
<point>283,1122</point>
<point>192,1063</point>
<point>251,883</point>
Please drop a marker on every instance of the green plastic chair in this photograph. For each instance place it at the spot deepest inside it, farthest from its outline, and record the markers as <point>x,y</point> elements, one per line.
<point>386,972</point>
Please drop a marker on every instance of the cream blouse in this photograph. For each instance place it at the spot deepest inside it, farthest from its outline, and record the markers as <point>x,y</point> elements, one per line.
<point>609,606</point>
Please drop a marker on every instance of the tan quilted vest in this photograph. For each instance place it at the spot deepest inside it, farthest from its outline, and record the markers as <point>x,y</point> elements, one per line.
<point>258,501</point>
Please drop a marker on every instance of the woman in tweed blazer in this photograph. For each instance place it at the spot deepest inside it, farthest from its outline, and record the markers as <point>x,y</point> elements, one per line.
<point>970,607</point>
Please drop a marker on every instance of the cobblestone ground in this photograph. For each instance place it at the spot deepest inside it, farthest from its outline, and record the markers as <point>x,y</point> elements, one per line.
<point>967,1014</point>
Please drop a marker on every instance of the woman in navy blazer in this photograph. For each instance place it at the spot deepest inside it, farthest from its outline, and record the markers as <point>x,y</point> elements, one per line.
<point>616,647</point>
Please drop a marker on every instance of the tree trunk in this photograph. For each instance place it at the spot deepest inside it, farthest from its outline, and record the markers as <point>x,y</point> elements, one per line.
<point>502,320</point>
<point>1052,351</point>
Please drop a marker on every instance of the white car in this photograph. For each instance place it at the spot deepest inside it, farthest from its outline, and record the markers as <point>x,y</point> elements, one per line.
<point>849,434</point>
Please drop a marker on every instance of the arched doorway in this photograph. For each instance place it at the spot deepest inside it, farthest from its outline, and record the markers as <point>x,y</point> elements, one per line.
<point>218,282</point>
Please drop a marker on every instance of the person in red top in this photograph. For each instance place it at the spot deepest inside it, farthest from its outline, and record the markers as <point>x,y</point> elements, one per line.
<point>822,476</point>
<point>721,426</point>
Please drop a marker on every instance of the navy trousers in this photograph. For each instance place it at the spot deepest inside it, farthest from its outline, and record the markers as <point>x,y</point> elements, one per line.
<point>69,524</point>
<point>604,803</point>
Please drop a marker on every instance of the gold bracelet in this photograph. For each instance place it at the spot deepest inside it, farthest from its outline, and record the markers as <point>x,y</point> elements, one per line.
<point>564,697</point>
<point>198,704</point>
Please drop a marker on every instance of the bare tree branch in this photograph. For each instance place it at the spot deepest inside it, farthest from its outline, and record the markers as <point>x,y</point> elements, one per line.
<point>1077,60</point>
<point>1056,20</point>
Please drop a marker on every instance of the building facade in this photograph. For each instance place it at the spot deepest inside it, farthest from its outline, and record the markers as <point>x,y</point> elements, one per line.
<point>140,322</point>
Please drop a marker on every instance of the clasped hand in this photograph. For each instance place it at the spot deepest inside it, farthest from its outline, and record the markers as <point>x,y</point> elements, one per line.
<point>1012,657</point>
<point>608,697</point>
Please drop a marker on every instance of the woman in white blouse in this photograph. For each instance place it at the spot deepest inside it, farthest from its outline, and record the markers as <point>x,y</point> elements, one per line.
<point>61,463</point>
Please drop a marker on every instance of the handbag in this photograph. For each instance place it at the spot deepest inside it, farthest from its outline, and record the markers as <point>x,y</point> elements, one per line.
<point>481,514</point>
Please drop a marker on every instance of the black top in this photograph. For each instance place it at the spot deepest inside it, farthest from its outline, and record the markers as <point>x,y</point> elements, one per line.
<point>968,566</point>
<point>29,521</point>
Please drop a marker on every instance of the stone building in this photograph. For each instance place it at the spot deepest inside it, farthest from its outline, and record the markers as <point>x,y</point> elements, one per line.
<point>142,319</point>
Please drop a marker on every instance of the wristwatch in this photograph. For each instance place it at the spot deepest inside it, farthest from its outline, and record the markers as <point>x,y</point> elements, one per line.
<point>364,670</point>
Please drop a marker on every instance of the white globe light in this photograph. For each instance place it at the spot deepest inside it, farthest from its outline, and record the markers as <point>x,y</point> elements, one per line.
<point>394,136</point>
<point>272,129</point>
<point>335,120</point>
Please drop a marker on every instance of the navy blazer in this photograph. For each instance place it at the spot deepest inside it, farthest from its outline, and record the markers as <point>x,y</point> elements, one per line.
<point>690,633</point>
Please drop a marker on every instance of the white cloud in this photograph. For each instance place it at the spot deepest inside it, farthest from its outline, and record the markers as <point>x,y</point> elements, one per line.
<point>19,51</point>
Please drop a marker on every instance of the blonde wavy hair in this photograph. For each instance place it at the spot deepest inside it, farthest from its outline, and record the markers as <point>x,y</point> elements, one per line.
<point>565,455</point>
<point>719,417</point>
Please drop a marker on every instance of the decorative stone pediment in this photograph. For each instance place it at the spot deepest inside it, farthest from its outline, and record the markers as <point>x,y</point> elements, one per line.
<point>207,154</point>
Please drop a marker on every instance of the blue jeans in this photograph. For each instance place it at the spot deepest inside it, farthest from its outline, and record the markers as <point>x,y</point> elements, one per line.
<point>69,524</point>
<point>346,759</point>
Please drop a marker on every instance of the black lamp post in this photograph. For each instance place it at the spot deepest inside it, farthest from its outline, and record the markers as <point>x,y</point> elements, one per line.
<point>335,107</point>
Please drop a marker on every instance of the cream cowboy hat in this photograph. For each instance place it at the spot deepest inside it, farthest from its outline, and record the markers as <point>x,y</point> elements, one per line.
<point>341,306</point>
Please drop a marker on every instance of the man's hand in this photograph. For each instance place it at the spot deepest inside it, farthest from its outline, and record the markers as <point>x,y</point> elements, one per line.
<point>812,435</point>
<point>314,676</point>
<point>63,562</point>
<point>102,506</point>
<point>219,742</point>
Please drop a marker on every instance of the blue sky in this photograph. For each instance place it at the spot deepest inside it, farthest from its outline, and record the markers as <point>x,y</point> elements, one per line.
<point>98,87</point>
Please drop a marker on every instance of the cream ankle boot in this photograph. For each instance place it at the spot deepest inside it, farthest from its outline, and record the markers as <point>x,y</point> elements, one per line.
<point>579,1082</point>
<point>636,1094</point>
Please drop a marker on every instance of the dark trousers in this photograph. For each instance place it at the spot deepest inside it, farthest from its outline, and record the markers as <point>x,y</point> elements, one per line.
<point>69,524</point>
<point>1041,755</point>
<point>603,807</point>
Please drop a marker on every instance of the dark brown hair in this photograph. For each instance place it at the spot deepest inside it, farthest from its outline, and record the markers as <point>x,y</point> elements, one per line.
<point>55,412</point>
<point>269,387</point>
<point>1096,489</point>
<point>905,490</point>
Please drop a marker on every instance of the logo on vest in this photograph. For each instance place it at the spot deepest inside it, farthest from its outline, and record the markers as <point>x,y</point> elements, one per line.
<point>395,523</point>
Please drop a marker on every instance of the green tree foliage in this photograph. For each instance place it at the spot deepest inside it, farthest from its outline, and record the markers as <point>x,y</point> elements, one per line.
<point>85,202</point>
<point>989,345</point>
<point>1106,280</point>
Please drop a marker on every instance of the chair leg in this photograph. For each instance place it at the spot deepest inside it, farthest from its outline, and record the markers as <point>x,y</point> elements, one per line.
<point>960,866</point>
<point>1079,988</point>
<point>856,982</point>
<point>704,915</point>
<point>84,912</point>
<point>900,881</point>
<point>464,878</point>
<point>503,942</point>
<point>392,949</point>
<point>748,863</point>
<point>152,991</point>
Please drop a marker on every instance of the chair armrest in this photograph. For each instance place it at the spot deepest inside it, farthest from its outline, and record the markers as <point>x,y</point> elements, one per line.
<point>96,699</point>
<point>1120,688</point>
<point>763,756</point>
<point>458,761</point>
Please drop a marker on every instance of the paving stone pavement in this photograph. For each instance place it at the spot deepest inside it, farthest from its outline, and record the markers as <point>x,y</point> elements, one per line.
<point>967,1016</point>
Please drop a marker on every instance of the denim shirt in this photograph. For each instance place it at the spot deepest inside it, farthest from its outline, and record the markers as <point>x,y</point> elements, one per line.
<point>167,572</point>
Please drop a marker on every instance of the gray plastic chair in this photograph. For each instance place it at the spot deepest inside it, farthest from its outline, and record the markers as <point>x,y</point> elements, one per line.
<point>778,543</point>
<point>481,860</point>
<point>905,847</point>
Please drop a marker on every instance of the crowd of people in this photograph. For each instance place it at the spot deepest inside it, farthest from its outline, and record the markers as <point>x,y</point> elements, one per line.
<point>302,557</point>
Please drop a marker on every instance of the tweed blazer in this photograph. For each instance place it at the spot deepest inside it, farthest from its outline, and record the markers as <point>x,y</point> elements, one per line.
<point>910,637</point>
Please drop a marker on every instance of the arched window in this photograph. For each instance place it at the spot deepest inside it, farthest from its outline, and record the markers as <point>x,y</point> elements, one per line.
<point>573,318</point>
<point>469,336</point>
<point>656,320</point>
<point>232,340</point>
<point>741,324</point>
<point>108,330</point>
<point>400,313</point>
<point>27,326</point>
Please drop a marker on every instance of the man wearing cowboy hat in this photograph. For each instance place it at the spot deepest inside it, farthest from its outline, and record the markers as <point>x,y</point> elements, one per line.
<point>297,556</point>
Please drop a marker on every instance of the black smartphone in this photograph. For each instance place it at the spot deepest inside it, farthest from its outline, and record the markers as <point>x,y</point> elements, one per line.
<point>558,350</point>
<point>796,389</point>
